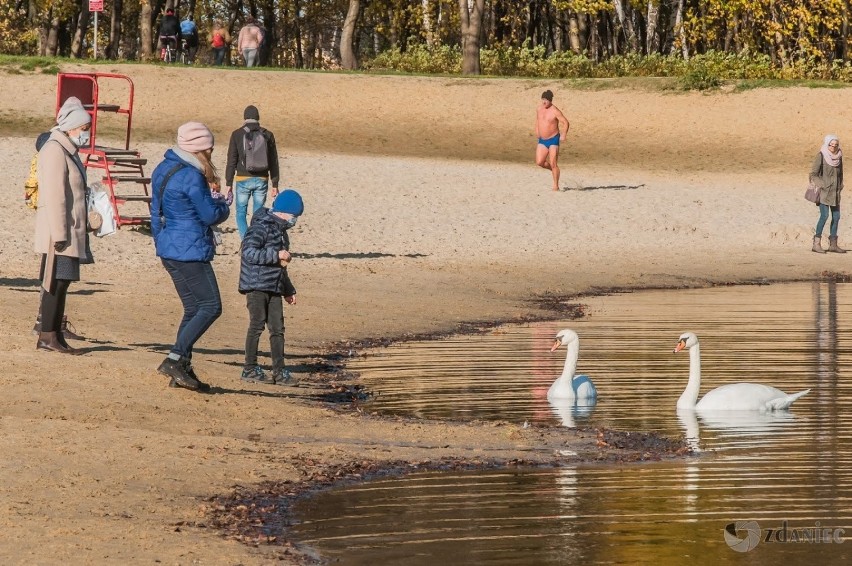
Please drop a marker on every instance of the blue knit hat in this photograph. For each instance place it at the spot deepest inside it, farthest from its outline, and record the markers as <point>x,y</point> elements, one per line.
<point>288,201</point>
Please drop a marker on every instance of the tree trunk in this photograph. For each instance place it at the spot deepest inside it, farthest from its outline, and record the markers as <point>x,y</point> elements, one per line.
<point>348,58</point>
<point>428,25</point>
<point>145,32</point>
<point>297,30</point>
<point>574,33</point>
<point>627,25</point>
<point>77,50</point>
<point>594,38</point>
<point>51,46</point>
<point>112,48</point>
<point>558,30</point>
<point>652,41</point>
<point>471,24</point>
<point>680,31</point>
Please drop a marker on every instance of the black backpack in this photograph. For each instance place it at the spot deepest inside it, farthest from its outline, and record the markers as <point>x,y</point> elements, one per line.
<point>256,151</point>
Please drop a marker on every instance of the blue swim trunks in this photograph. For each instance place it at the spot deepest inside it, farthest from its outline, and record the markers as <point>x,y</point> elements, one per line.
<point>549,141</point>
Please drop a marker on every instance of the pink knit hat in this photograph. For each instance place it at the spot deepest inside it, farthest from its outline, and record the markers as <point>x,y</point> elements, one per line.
<point>194,136</point>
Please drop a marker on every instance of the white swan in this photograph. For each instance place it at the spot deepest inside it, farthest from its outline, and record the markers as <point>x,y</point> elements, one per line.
<point>732,397</point>
<point>567,386</point>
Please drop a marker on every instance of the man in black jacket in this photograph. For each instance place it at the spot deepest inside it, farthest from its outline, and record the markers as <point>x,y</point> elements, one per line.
<point>251,178</point>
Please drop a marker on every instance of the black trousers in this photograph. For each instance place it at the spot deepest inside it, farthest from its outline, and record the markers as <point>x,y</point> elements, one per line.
<point>53,306</point>
<point>265,309</point>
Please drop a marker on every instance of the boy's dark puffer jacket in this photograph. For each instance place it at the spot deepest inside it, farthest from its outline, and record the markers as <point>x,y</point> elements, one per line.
<point>260,269</point>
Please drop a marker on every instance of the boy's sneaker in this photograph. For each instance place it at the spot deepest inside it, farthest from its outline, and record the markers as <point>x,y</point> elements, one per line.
<point>283,377</point>
<point>180,378</point>
<point>256,375</point>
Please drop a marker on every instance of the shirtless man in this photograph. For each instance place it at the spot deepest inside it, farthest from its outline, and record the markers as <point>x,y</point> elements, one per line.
<point>547,128</point>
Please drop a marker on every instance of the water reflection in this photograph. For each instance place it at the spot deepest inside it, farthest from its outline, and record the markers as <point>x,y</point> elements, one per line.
<point>570,411</point>
<point>752,427</point>
<point>791,466</point>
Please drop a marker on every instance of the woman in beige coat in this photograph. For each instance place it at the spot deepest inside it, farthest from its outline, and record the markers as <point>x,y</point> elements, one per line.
<point>60,235</point>
<point>827,173</point>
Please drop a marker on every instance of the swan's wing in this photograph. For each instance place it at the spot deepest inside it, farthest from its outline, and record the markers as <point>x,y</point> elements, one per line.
<point>781,403</point>
<point>584,387</point>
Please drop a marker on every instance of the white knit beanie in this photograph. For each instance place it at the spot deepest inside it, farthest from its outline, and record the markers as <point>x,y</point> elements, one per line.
<point>72,115</point>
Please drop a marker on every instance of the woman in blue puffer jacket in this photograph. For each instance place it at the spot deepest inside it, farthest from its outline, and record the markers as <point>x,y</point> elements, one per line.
<point>183,212</point>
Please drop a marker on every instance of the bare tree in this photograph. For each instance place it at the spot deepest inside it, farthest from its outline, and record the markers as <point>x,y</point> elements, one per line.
<point>348,59</point>
<point>428,24</point>
<point>82,19</point>
<point>626,23</point>
<point>471,25</point>
<point>652,40</point>
<point>680,31</point>
<point>115,29</point>
<point>145,30</point>
<point>574,32</point>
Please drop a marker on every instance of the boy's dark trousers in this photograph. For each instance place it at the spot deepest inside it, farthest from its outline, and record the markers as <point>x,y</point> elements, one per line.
<point>265,309</point>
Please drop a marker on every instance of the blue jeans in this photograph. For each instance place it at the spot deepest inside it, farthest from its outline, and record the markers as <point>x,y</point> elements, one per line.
<point>254,188</point>
<point>219,55</point>
<point>823,216</point>
<point>250,55</point>
<point>195,282</point>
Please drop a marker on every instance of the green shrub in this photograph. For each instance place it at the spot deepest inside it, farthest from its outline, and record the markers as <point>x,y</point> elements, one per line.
<point>700,72</point>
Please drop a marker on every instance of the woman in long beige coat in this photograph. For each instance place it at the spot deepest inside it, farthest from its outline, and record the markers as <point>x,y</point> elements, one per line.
<point>827,173</point>
<point>60,235</point>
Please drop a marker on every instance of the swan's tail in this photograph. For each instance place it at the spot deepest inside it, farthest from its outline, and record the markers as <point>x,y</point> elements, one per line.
<point>782,403</point>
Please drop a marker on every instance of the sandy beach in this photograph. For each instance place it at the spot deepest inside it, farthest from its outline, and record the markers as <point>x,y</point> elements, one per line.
<point>424,212</point>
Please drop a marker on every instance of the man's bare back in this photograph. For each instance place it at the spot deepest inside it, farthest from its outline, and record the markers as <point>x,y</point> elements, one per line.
<point>547,129</point>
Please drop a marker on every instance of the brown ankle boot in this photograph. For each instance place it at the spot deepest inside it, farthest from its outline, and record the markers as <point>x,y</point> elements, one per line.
<point>833,247</point>
<point>50,341</point>
<point>60,337</point>
<point>72,334</point>
<point>817,245</point>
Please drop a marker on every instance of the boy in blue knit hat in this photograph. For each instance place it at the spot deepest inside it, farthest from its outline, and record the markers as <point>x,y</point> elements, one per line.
<point>264,281</point>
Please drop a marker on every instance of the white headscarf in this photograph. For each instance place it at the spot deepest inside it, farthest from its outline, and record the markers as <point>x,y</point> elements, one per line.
<point>832,159</point>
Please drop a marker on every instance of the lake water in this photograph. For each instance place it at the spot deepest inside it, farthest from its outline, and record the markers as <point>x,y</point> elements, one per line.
<point>786,476</point>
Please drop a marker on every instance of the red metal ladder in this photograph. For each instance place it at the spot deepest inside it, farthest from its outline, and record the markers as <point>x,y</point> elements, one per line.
<point>123,168</point>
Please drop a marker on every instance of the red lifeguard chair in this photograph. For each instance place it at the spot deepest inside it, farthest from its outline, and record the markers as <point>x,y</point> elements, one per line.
<point>124,175</point>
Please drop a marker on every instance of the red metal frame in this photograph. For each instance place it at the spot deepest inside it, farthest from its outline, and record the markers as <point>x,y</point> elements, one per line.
<point>113,161</point>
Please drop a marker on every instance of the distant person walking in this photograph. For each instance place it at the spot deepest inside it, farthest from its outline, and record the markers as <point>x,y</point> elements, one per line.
<point>252,165</point>
<point>827,173</point>
<point>548,122</point>
<point>183,212</point>
<point>220,39</point>
<point>61,219</point>
<point>249,41</point>
<point>264,281</point>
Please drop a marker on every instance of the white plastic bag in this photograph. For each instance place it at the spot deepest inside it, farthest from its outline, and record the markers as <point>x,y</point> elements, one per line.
<point>98,200</point>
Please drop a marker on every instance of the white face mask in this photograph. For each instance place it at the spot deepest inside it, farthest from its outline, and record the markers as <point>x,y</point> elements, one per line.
<point>81,139</point>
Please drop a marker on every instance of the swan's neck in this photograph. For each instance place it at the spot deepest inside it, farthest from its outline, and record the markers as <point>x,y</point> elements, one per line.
<point>565,383</point>
<point>690,394</point>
